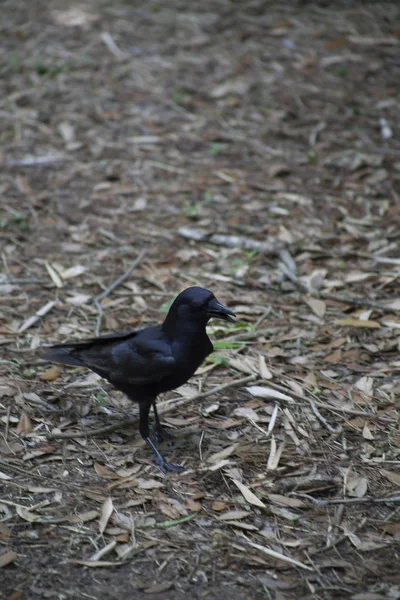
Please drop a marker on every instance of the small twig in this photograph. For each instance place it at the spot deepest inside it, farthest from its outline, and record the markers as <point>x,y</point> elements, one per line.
<point>337,297</point>
<point>364,500</point>
<point>338,540</point>
<point>23,281</point>
<point>263,317</point>
<point>322,419</point>
<point>358,302</point>
<point>163,408</point>
<point>112,287</point>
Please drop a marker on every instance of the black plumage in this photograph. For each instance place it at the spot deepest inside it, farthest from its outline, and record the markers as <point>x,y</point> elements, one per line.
<point>146,362</point>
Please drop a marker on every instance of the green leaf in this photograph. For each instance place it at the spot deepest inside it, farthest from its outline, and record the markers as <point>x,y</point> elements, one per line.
<point>177,521</point>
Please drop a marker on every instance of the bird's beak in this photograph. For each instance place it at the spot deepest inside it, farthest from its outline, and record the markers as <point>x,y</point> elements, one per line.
<point>219,311</point>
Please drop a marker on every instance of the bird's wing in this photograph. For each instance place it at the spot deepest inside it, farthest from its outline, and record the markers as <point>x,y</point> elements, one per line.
<point>123,358</point>
<point>144,361</point>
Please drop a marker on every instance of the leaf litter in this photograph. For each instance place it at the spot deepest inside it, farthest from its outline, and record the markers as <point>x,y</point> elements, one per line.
<point>283,199</point>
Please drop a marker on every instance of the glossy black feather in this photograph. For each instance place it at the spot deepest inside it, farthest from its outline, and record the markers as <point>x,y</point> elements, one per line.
<point>146,362</point>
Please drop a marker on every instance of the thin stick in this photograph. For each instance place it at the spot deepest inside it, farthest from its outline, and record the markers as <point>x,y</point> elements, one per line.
<point>164,408</point>
<point>112,287</point>
<point>383,500</point>
<point>338,540</point>
<point>322,419</point>
<point>339,297</point>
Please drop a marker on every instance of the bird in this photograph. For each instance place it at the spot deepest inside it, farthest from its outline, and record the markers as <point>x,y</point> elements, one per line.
<point>144,363</point>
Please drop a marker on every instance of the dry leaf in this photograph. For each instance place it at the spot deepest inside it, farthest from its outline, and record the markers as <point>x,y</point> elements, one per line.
<point>4,476</point>
<point>193,505</point>
<point>222,454</point>
<point>25,514</point>
<point>149,484</point>
<point>51,374</point>
<point>365,385</point>
<point>73,271</point>
<point>265,373</point>
<point>106,512</point>
<point>233,515</point>
<point>218,505</point>
<point>249,413</point>
<point>349,322</point>
<point>24,424</point>
<point>367,434</point>
<point>7,558</point>
<point>264,392</point>
<point>317,306</point>
<point>248,495</point>
<point>392,476</point>
<point>356,486</point>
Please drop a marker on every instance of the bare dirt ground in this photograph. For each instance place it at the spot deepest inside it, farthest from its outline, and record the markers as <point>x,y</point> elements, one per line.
<point>251,148</point>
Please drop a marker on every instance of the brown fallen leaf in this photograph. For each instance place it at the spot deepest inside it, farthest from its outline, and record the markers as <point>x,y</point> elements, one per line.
<point>248,495</point>
<point>218,505</point>
<point>349,322</point>
<point>106,512</point>
<point>7,558</point>
<point>24,425</point>
<point>51,374</point>
<point>392,476</point>
<point>193,505</point>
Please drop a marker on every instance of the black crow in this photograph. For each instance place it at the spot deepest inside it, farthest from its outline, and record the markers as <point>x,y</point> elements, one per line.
<point>146,362</point>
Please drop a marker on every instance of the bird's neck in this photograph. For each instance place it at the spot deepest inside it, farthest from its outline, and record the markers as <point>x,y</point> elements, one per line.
<point>176,329</point>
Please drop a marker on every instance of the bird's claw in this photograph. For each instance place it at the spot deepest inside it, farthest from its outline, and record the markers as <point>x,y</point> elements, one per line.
<point>165,467</point>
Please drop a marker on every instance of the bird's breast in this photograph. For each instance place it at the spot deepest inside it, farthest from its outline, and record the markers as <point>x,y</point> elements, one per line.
<point>188,357</point>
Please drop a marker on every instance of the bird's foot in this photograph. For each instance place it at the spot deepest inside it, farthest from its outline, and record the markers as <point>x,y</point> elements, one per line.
<point>164,466</point>
<point>162,435</point>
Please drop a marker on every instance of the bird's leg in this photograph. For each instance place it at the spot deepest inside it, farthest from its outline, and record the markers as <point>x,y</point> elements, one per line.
<point>160,434</point>
<point>144,409</point>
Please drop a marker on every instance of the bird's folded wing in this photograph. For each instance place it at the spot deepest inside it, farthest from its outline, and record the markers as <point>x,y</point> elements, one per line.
<point>142,362</point>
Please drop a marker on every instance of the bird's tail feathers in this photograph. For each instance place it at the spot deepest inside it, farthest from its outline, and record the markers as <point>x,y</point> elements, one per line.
<point>62,355</point>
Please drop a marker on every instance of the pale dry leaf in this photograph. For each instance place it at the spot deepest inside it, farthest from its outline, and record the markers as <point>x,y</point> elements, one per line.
<point>249,413</point>
<point>286,501</point>
<point>234,515</point>
<point>89,515</point>
<point>245,365</point>
<point>317,306</point>
<point>265,373</point>
<point>27,515</point>
<point>218,505</point>
<point>73,271</point>
<point>103,551</point>
<point>351,322</point>
<point>193,505</point>
<point>365,385</point>
<point>4,476</point>
<point>248,495</point>
<point>54,276</point>
<point>169,511</point>
<point>149,484</point>
<point>78,299</point>
<point>263,392</point>
<point>7,558</point>
<point>365,545</point>
<point>296,387</point>
<point>106,512</point>
<point>367,433</point>
<point>357,486</point>
<point>274,454</point>
<point>24,424</point>
<point>222,454</point>
<point>392,476</point>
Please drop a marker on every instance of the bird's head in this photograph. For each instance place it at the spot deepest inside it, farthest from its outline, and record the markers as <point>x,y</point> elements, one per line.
<point>199,304</point>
